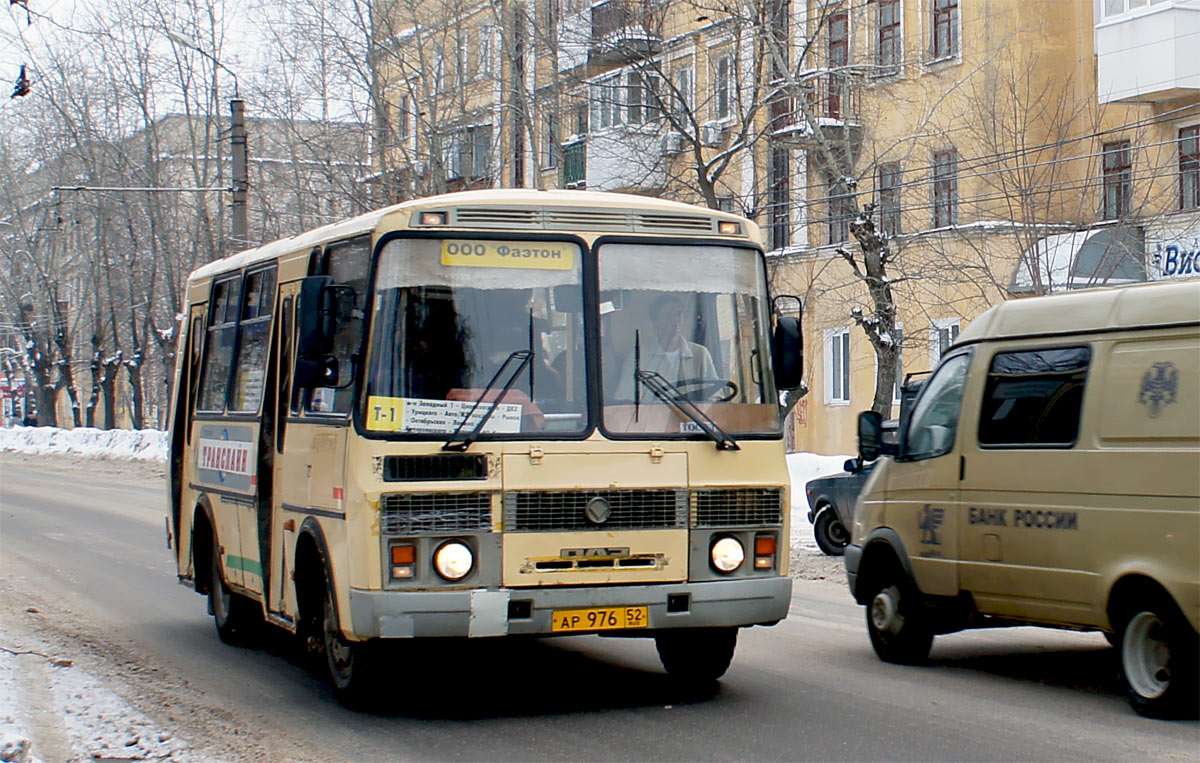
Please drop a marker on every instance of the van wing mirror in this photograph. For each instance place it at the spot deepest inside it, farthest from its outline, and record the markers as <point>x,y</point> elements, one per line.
<point>870,436</point>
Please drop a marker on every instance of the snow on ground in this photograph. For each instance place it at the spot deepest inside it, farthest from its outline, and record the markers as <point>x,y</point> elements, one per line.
<point>147,445</point>
<point>804,467</point>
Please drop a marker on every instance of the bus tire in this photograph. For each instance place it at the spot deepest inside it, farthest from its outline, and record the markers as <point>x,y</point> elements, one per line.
<point>353,666</point>
<point>900,632</point>
<point>696,657</point>
<point>238,619</point>
<point>1159,665</point>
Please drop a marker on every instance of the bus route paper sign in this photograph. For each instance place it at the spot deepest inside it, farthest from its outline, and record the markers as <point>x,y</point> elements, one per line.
<point>526,255</point>
<point>421,416</point>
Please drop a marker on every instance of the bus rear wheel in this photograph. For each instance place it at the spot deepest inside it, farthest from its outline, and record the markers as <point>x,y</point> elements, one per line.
<point>353,667</point>
<point>238,619</point>
<point>696,656</point>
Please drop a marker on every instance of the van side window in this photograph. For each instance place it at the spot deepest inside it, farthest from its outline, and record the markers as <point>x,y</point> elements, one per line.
<point>934,420</point>
<point>1034,397</point>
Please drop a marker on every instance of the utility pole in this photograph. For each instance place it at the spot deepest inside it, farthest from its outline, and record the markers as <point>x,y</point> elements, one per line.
<point>241,180</point>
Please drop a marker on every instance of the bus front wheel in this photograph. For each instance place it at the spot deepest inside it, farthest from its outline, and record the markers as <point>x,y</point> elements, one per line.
<point>352,666</point>
<point>696,656</point>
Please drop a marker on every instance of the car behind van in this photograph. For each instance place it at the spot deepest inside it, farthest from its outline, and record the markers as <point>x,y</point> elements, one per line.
<point>1048,474</point>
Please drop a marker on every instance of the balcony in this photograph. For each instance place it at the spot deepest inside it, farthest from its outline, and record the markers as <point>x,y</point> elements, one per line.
<point>574,172</point>
<point>832,100</point>
<point>625,30</point>
<point>1143,54</point>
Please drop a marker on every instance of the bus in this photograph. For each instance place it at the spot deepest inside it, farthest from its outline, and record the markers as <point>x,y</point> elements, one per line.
<point>489,413</point>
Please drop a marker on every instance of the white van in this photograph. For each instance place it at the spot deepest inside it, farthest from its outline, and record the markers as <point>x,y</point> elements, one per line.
<point>1048,474</point>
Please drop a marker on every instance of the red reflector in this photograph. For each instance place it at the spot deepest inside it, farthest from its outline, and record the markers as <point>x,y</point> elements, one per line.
<point>404,554</point>
<point>337,494</point>
<point>764,545</point>
<point>290,525</point>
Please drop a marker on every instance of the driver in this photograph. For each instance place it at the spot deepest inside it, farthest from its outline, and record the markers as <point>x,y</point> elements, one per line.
<point>666,351</point>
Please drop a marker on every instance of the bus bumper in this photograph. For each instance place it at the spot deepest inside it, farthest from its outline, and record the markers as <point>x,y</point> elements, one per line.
<point>515,611</point>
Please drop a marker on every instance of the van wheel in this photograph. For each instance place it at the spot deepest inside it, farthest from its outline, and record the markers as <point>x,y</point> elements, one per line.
<point>696,657</point>
<point>899,631</point>
<point>1159,661</point>
<point>238,619</point>
<point>830,533</point>
<point>353,669</point>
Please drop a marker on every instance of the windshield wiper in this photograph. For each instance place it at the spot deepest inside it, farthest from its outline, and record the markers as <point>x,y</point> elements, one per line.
<point>670,394</point>
<point>525,356</point>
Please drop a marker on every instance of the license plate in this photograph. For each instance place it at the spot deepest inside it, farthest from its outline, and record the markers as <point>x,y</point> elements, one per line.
<point>599,619</point>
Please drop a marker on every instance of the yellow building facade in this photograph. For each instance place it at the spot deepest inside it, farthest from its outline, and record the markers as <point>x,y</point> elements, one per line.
<point>1003,147</point>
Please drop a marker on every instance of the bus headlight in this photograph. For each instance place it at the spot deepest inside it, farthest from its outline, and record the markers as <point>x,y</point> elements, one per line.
<point>453,560</point>
<point>727,554</point>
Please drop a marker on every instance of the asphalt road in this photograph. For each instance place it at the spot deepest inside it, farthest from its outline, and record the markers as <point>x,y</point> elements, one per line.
<point>92,546</point>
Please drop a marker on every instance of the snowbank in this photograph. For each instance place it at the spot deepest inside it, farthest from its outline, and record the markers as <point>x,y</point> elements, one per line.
<point>804,467</point>
<point>148,445</point>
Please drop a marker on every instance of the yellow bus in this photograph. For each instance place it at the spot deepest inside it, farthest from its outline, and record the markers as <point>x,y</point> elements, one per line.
<point>489,413</point>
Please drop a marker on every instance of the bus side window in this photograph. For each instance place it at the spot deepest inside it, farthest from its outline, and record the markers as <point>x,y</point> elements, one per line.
<point>195,345</point>
<point>349,264</point>
<point>285,372</point>
<point>218,349</point>
<point>254,334</point>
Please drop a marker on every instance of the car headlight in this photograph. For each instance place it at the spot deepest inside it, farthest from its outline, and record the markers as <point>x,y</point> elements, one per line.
<point>727,554</point>
<point>453,560</point>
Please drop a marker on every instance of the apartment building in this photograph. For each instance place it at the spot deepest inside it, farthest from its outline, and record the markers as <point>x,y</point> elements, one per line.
<point>997,148</point>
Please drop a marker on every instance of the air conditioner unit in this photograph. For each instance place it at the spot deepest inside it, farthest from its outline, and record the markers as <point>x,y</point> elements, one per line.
<point>672,143</point>
<point>711,133</point>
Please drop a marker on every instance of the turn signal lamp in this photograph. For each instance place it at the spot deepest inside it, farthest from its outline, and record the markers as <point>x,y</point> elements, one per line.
<point>764,552</point>
<point>729,227</point>
<point>403,561</point>
<point>433,218</point>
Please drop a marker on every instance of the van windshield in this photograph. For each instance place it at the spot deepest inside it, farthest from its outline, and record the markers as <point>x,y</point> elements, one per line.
<point>934,420</point>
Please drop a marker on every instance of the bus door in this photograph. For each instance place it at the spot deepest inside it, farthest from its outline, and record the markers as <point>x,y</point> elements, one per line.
<point>311,458</point>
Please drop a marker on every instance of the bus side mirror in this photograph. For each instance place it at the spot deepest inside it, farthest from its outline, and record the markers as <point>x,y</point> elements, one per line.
<point>787,351</point>
<point>870,436</point>
<point>315,326</point>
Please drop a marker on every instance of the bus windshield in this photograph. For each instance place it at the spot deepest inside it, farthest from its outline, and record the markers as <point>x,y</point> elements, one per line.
<point>449,313</point>
<point>695,318</point>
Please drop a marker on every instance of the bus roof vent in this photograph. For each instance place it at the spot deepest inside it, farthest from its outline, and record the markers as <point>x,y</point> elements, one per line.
<point>589,219</point>
<point>666,222</point>
<point>498,217</point>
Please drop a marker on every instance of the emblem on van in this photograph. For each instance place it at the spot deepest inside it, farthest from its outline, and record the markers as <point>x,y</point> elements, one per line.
<point>1160,385</point>
<point>930,521</point>
<point>598,510</point>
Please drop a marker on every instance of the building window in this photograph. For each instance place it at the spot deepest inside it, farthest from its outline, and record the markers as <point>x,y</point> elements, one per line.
<point>942,334</point>
<point>641,98</point>
<point>1117,7</point>
<point>486,57</point>
<point>606,103</point>
<point>1189,167</point>
<point>462,55</point>
<point>888,192</point>
<point>550,139</point>
<point>887,37</point>
<point>837,366</point>
<point>685,81</point>
<point>944,42</point>
<point>837,56</point>
<point>469,153</point>
<point>439,68</point>
<point>898,342</point>
<point>945,188</point>
<point>841,212</point>
<point>404,117</point>
<point>575,163</point>
<point>1118,180</point>
<point>779,199</point>
<point>723,87</point>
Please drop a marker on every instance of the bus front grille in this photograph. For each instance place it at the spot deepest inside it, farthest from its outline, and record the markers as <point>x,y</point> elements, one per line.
<point>415,513</point>
<point>737,507</point>
<point>554,510</point>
